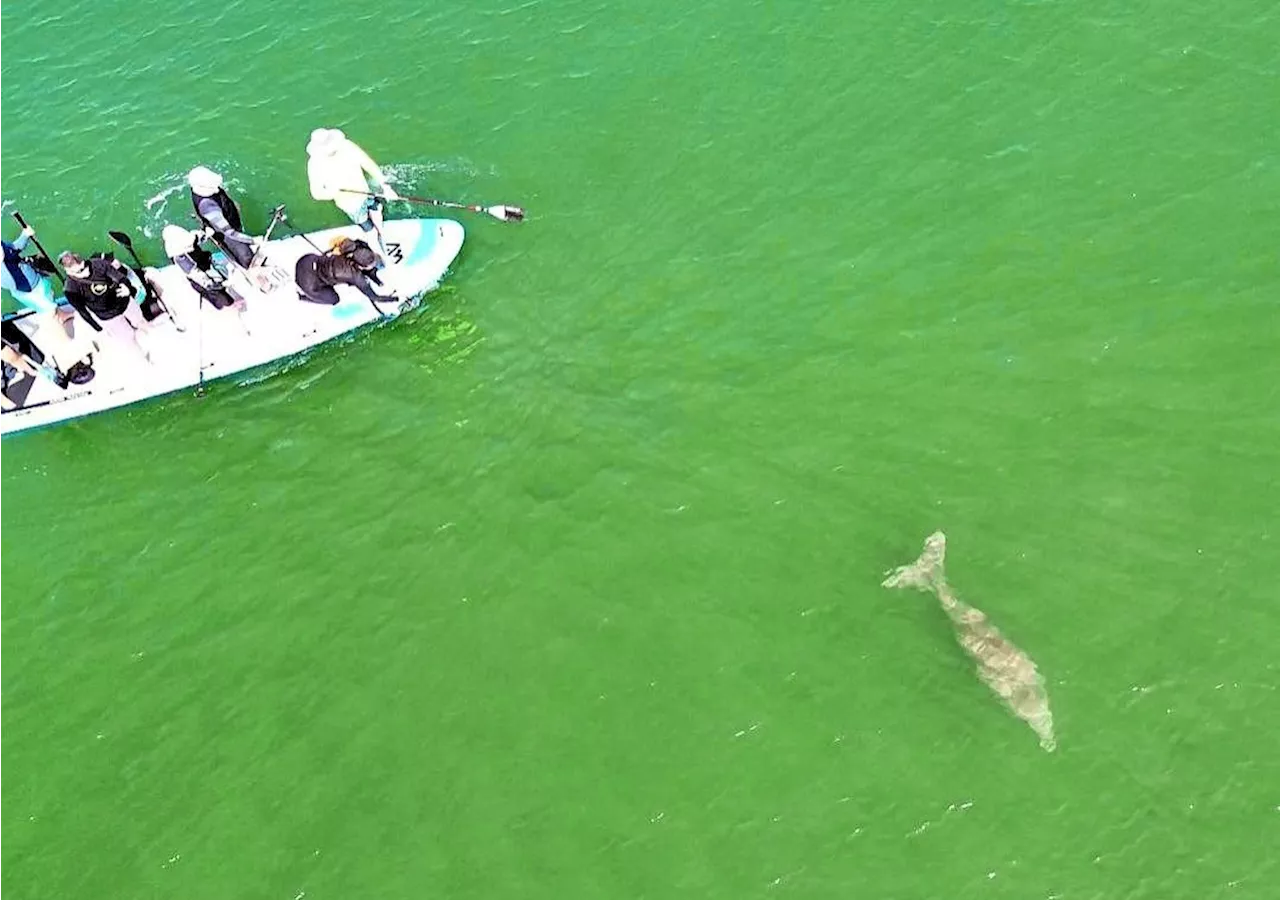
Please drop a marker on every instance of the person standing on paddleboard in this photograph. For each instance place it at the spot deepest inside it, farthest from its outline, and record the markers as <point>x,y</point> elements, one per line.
<point>340,171</point>
<point>26,277</point>
<point>220,216</point>
<point>100,290</point>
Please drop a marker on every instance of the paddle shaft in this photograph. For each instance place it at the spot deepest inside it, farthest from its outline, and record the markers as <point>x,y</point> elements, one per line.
<point>512,213</point>
<point>140,270</point>
<point>27,406</point>
<point>276,216</point>
<point>35,240</point>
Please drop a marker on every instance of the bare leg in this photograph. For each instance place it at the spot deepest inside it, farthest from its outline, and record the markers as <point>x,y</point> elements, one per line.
<point>133,313</point>
<point>126,333</point>
<point>373,217</point>
<point>19,361</point>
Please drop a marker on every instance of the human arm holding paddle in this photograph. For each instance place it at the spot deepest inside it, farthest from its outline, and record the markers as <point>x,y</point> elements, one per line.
<point>23,238</point>
<point>22,275</point>
<point>339,170</point>
<point>219,226</point>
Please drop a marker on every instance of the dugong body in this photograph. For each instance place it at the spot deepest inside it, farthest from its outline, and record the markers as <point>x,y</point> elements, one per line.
<point>1001,665</point>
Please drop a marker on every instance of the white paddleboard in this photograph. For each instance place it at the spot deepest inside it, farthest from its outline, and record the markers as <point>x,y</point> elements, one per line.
<point>276,325</point>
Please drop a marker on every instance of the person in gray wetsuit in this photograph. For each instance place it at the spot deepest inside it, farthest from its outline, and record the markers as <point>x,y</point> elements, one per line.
<point>220,216</point>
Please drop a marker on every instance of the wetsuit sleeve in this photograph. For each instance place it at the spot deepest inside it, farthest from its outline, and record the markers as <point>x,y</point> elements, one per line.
<point>341,270</point>
<point>21,243</point>
<point>367,289</point>
<point>76,299</point>
<point>212,214</point>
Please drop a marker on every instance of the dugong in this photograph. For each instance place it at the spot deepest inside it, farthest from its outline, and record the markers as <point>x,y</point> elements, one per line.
<point>1001,666</point>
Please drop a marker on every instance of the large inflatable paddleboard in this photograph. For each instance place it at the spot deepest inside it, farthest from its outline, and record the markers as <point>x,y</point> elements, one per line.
<point>199,343</point>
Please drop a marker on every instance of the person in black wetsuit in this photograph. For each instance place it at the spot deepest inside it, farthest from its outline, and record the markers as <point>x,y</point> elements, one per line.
<point>349,262</point>
<point>220,216</point>
<point>100,290</point>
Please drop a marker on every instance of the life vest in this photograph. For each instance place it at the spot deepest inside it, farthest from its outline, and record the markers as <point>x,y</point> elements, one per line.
<point>335,270</point>
<point>225,204</point>
<point>98,291</point>
<point>358,252</point>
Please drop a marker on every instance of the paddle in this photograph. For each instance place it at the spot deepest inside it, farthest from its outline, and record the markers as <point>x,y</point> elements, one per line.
<point>26,406</point>
<point>502,212</point>
<point>277,215</point>
<point>259,275</point>
<point>123,240</point>
<point>35,240</point>
<point>284,219</point>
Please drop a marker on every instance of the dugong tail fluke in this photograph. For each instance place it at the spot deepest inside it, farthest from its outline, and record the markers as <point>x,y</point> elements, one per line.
<point>1001,666</point>
<point>926,573</point>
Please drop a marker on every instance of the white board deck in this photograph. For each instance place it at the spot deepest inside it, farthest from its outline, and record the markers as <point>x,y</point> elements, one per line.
<point>275,326</point>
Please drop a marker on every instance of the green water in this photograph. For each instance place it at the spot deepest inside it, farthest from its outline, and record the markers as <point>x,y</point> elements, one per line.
<point>568,587</point>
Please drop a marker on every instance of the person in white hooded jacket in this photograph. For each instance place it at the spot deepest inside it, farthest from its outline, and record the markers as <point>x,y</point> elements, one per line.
<point>339,170</point>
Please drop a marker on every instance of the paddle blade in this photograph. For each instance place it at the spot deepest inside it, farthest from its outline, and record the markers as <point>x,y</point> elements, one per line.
<point>506,213</point>
<point>121,238</point>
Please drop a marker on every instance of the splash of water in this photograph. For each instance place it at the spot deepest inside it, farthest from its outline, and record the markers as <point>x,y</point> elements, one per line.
<point>163,197</point>
<point>1001,665</point>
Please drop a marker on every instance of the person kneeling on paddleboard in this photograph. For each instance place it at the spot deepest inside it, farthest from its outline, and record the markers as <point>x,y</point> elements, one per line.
<point>220,216</point>
<point>340,171</point>
<point>100,290</point>
<point>349,262</point>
